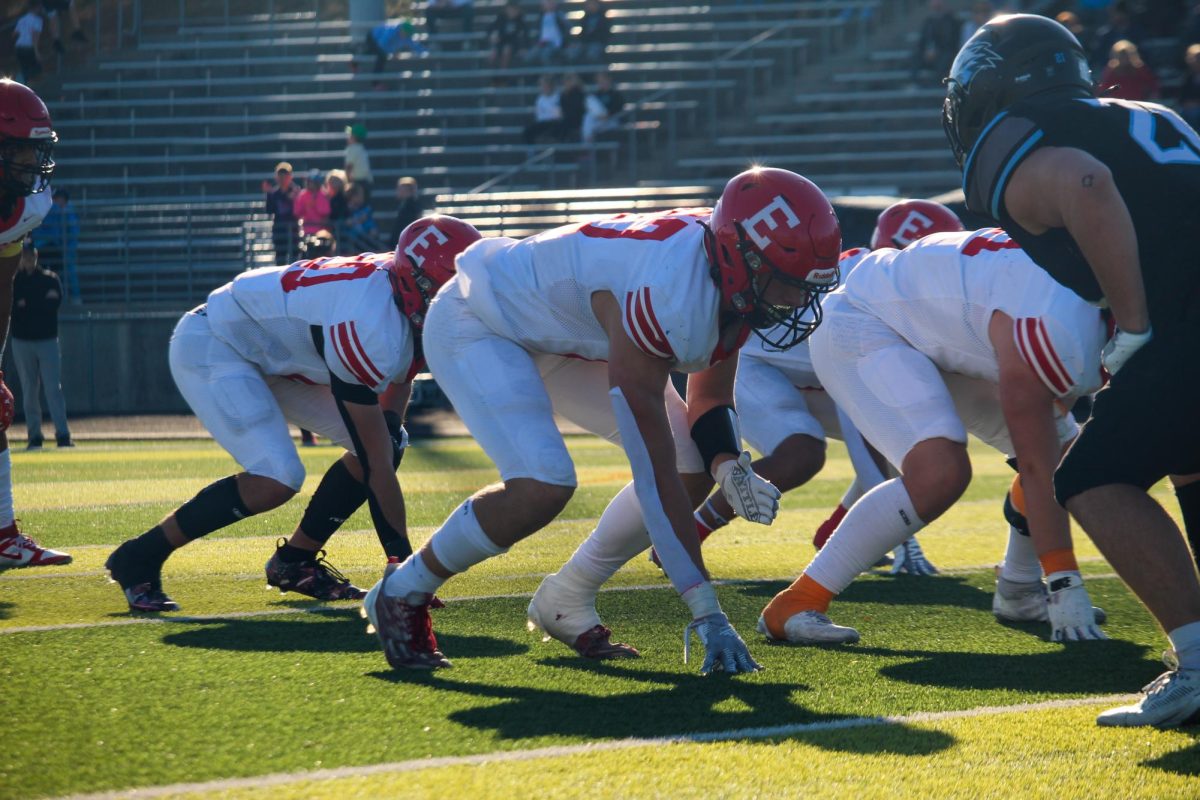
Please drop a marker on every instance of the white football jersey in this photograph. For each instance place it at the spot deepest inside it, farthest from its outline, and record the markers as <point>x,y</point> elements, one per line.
<point>940,293</point>
<point>27,215</point>
<point>267,316</point>
<point>537,291</point>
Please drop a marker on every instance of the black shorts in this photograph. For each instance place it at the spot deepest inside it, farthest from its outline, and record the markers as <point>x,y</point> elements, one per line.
<point>1144,424</point>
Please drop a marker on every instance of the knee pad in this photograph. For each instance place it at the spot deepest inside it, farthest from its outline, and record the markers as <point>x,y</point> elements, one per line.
<point>1014,507</point>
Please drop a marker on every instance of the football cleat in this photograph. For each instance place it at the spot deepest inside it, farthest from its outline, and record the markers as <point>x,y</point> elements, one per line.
<point>811,627</point>
<point>316,578</point>
<point>403,627</point>
<point>1027,602</point>
<point>141,584</point>
<point>149,598</point>
<point>1170,700</point>
<point>18,550</point>
<point>573,621</point>
<point>910,559</point>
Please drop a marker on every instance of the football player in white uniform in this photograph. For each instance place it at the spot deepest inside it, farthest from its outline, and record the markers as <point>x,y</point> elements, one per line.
<point>589,320</point>
<point>26,148</point>
<point>318,343</point>
<point>786,414</point>
<point>958,332</point>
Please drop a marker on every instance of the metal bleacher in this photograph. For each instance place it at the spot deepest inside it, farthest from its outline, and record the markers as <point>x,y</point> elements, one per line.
<point>164,145</point>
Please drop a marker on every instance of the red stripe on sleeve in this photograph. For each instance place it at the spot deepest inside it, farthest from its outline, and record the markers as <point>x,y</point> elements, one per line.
<point>347,356</point>
<point>362,355</point>
<point>1040,360</point>
<point>1059,368</point>
<point>655,330</point>
<point>633,326</point>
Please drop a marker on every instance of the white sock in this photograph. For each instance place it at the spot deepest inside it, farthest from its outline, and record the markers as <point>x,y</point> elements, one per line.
<point>1185,640</point>
<point>458,545</point>
<point>882,519</point>
<point>1021,563</point>
<point>853,492</point>
<point>6,501</point>
<point>619,536</point>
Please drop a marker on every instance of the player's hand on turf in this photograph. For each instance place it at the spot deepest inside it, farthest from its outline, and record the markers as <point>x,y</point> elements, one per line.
<point>1072,618</point>
<point>910,559</point>
<point>724,650</point>
<point>1121,347</point>
<point>753,497</point>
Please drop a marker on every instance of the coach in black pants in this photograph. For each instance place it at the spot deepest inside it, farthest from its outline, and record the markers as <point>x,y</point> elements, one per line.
<point>37,295</point>
<point>1100,193</point>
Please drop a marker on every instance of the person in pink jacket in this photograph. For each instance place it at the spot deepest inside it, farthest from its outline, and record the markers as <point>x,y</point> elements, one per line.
<point>312,205</point>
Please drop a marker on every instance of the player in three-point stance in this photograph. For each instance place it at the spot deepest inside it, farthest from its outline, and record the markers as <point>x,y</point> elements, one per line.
<point>959,332</point>
<point>588,320</point>
<point>1098,192</point>
<point>26,149</point>
<point>330,345</point>
<point>786,414</point>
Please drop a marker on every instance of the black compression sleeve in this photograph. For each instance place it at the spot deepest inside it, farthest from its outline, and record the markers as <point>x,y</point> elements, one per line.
<point>715,432</point>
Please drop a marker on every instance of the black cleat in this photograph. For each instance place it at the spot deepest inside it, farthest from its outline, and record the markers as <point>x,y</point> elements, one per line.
<point>315,578</point>
<point>140,582</point>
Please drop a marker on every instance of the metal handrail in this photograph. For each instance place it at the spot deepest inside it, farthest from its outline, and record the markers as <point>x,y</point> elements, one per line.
<point>511,171</point>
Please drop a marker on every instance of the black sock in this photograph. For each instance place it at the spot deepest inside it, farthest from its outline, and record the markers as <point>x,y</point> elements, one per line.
<point>290,554</point>
<point>152,547</point>
<point>216,506</point>
<point>1189,505</point>
<point>337,497</point>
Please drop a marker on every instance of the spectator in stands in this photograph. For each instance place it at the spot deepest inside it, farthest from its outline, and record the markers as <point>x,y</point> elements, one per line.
<point>26,34</point>
<point>509,35</point>
<point>594,31</point>
<point>1071,21</point>
<point>547,113</point>
<point>408,206</point>
<point>357,162</point>
<point>312,205</point>
<point>1128,76</point>
<point>981,12</point>
<point>339,207</point>
<point>37,294</point>
<point>1191,22</point>
<point>603,106</point>
<point>438,10</point>
<point>57,240</point>
<point>551,32</point>
<point>384,41</point>
<point>1120,27</point>
<point>53,9</point>
<point>1189,88</point>
<point>280,200</point>
<point>362,232</point>
<point>937,43</point>
<point>573,103</point>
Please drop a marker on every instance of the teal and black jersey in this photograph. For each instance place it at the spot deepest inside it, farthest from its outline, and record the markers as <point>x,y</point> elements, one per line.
<point>1154,158</point>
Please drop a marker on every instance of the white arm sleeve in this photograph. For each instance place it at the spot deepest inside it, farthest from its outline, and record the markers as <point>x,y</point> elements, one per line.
<point>865,468</point>
<point>675,560</point>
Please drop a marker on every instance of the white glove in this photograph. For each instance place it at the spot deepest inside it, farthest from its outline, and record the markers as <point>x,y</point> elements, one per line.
<point>1121,347</point>
<point>753,498</point>
<point>724,650</point>
<point>1070,608</point>
<point>910,558</point>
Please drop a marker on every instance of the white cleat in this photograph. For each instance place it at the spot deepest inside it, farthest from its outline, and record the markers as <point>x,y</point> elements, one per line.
<point>1027,602</point>
<point>1170,700</point>
<point>571,618</point>
<point>811,627</point>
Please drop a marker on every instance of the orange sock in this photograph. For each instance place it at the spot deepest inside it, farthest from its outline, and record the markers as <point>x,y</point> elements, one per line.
<point>805,594</point>
<point>1059,561</point>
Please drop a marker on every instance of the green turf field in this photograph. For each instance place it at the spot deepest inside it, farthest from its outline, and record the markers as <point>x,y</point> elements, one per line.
<point>257,694</point>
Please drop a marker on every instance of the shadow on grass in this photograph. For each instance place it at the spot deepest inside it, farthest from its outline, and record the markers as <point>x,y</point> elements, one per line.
<point>6,609</point>
<point>686,706</point>
<point>898,590</point>
<point>1181,762</point>
<point>341,635</point>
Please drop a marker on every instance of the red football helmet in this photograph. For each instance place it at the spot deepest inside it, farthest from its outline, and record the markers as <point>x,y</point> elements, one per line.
<point>26,141</point>
<point>774,225</point>
<point>901,224</point>
<point>425,261</point>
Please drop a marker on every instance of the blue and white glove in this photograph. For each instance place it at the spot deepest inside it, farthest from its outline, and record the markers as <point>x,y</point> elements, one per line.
<point>1121,347</point>
<point>753,497</point>
<point>909,558</point>
<point>724,650</point>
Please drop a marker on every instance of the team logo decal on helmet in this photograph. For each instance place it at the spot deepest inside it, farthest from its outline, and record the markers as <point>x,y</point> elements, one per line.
<point>424,261</point>
<point>26,142</point>
<point>903,223</point>
<point>773,225</point>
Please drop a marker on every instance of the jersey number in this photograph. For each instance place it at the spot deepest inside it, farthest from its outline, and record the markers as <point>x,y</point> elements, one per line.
<point>635,226</point>
<point>311,273</point>
<point>1143,127</point>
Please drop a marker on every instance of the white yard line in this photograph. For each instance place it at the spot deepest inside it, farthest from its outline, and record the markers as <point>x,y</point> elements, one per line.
<point>335,610</point>
<point>414,765</point>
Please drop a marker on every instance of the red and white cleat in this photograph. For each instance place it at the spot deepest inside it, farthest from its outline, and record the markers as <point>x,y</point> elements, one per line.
<point>571,618</point>
<point>403,627</point>
<point>18,550</point>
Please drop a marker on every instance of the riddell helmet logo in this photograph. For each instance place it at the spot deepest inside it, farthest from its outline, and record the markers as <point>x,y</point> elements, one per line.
<point>422,243</point>
<point>822,277</point>
<point>766,217</point>
<point>975,58</point>
<point>40,133</point>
